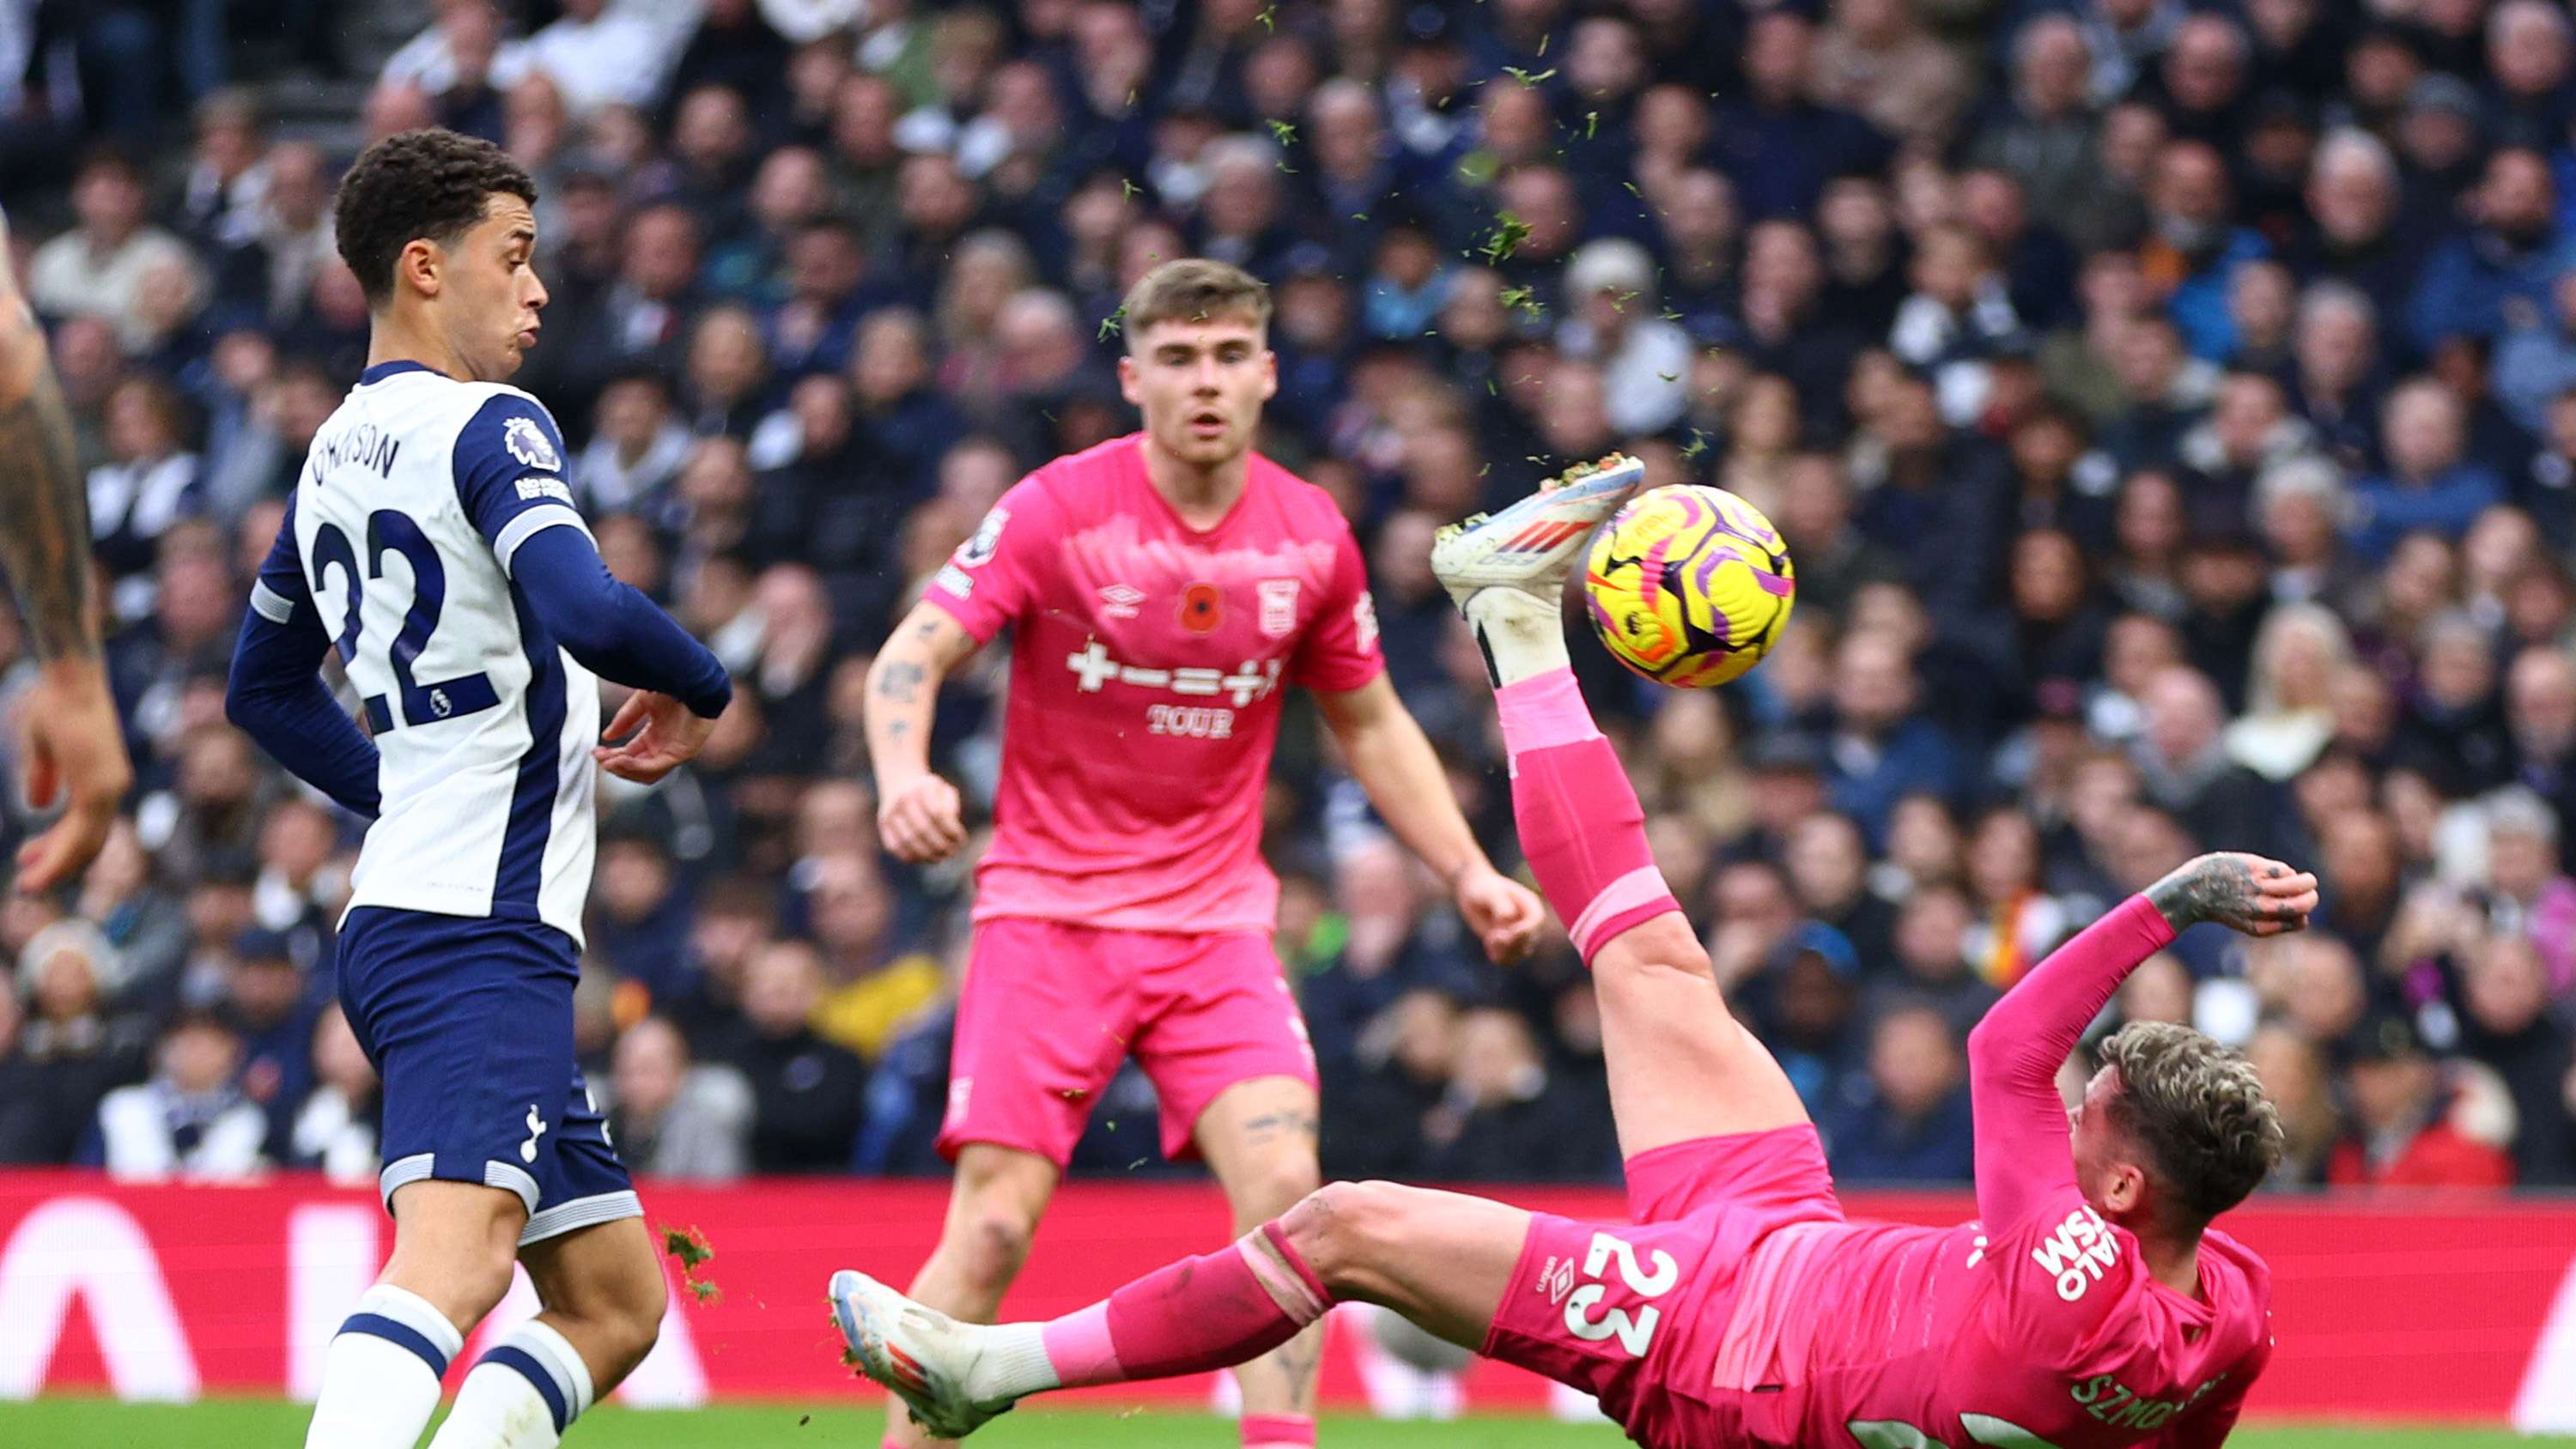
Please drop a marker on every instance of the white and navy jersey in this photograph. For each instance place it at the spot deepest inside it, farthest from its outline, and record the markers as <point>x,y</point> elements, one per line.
<point>416,494</point>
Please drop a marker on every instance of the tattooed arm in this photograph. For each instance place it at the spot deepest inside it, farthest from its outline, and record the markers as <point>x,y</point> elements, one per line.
<point>75,748</point>
<point>2014,1053</point>
<point>919,814</point>
<point>2241,892</point>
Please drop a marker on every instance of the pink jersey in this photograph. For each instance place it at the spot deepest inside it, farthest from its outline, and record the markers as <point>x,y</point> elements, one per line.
<point>2039,1326</point>
<point>1145,685</point>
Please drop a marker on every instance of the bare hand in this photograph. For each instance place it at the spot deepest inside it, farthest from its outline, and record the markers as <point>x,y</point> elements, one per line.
<point>658,733</point>
<point>2248,893</point>
<point>922,820</point>
<point>1503,913</point>
<point>75,754</point>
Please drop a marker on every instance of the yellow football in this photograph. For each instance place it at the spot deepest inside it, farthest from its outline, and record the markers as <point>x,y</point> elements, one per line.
<point>1689,585</point>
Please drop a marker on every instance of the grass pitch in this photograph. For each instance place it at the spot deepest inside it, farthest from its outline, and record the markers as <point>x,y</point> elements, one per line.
<point>244,1423</point>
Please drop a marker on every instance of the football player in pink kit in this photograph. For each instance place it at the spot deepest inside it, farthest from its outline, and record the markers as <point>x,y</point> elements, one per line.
<point>2090,1306</point>
<point>1165,588</point>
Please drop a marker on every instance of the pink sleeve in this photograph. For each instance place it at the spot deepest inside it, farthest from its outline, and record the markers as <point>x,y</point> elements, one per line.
<point>1340,649</point>
<point>993,575</point>
<point>2013,1055</point>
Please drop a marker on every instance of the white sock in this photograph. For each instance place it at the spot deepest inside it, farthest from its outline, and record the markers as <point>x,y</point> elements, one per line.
<point>380,1376</point>
<point>1013,1364</point>
<point>523,1393</point>
<point>1523,634</point>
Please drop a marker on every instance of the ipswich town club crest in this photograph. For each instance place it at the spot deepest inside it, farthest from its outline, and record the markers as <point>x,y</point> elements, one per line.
<point>1278,607</point>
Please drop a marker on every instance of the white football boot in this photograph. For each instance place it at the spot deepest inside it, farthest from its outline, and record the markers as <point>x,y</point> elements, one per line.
<point>1532,545</point>
<point>920,1353</point>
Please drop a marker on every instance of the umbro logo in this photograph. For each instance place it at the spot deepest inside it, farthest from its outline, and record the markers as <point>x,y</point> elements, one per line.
<point>1558,1280</point>
<point>1120,601</point>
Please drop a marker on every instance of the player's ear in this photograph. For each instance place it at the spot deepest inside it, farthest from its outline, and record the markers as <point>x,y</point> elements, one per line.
<point>2126,1191</point>
<point>1269,374</point>
<point>1127,378</point>
<point>422,263</point>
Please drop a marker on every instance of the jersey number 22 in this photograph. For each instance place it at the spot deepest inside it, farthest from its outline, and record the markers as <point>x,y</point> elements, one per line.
<point>391,532</point>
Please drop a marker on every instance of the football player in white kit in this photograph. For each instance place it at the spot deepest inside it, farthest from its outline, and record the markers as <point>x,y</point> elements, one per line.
<point>432,541</point>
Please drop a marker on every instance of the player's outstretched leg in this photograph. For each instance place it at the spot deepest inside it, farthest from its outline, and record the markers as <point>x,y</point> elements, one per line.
<point>1680,1066</point>
<point>1441,1259</point>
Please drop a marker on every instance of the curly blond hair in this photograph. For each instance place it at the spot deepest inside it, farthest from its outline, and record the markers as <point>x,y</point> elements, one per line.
<point>2199,1113</point>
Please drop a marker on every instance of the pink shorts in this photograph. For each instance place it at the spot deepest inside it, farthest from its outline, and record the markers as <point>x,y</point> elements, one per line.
<point>1049,1009</point>
<point>1634,1313</point>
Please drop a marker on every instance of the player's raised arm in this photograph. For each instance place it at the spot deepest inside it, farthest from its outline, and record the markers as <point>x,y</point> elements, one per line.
<point>2014,1054</point>
<point>74,745</point>
<point>275,694</point>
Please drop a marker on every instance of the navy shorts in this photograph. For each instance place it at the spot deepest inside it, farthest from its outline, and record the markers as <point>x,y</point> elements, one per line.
<point>469,1022</point>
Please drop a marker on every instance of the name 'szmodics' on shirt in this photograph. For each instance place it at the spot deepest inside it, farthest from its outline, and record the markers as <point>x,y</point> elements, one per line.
<point>1146,670</point>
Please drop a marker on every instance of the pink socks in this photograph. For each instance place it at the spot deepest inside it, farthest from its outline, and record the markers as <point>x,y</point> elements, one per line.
<point>1209,1312</point>
<point>1278,1431</point>
<point>1579,819</point>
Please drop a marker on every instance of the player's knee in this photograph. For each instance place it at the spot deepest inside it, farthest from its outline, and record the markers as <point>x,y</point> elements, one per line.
<point>1341,1229</point>
<point>996,1244</point>
<point>634,1320</point>
<point>475,1286</point>
<point>644,1305</point>
<point>1275,1188</point>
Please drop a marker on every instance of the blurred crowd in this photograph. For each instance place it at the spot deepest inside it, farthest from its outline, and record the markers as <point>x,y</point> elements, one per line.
<point>2171,412</point>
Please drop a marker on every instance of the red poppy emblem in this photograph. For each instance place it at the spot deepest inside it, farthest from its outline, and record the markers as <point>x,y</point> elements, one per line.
<point>1202,605</point>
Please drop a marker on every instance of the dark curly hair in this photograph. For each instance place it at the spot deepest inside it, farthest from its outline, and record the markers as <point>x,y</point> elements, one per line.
<point>428,183</point>
<point>2199,1112</point>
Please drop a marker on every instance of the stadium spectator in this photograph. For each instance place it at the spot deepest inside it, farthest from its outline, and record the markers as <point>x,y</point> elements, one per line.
<point>122,892</point>
<point>1932,967</point>
<point>2540,713</point>
<point>1810,1006</point>
<point>806,1091</point>
<point>639,917</point>
<point>191,1121</point>
<point>2508,1025</point>
<point>2296,1078</point>
<point>2502,268</point>
<point>597,53</point>
<point>77,1045</point>
<point>2182,755</point>
<point>1404,1061</point>
<point>1612,321</point>
<point>2193,249</point>
<point>1506,1113</point>
<point>108,266</point>
<point>1909,1122</point>
<point>673,1117</point>
<point>2289,715</point>
<point>272,1010</point>
<point>336,1128</point>
<point>2417,1119</point>
<point>1828,865</point>
<point>2431,482</point>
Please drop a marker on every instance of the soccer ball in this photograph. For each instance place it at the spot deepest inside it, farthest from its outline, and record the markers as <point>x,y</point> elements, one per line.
<point>1689,585</point>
